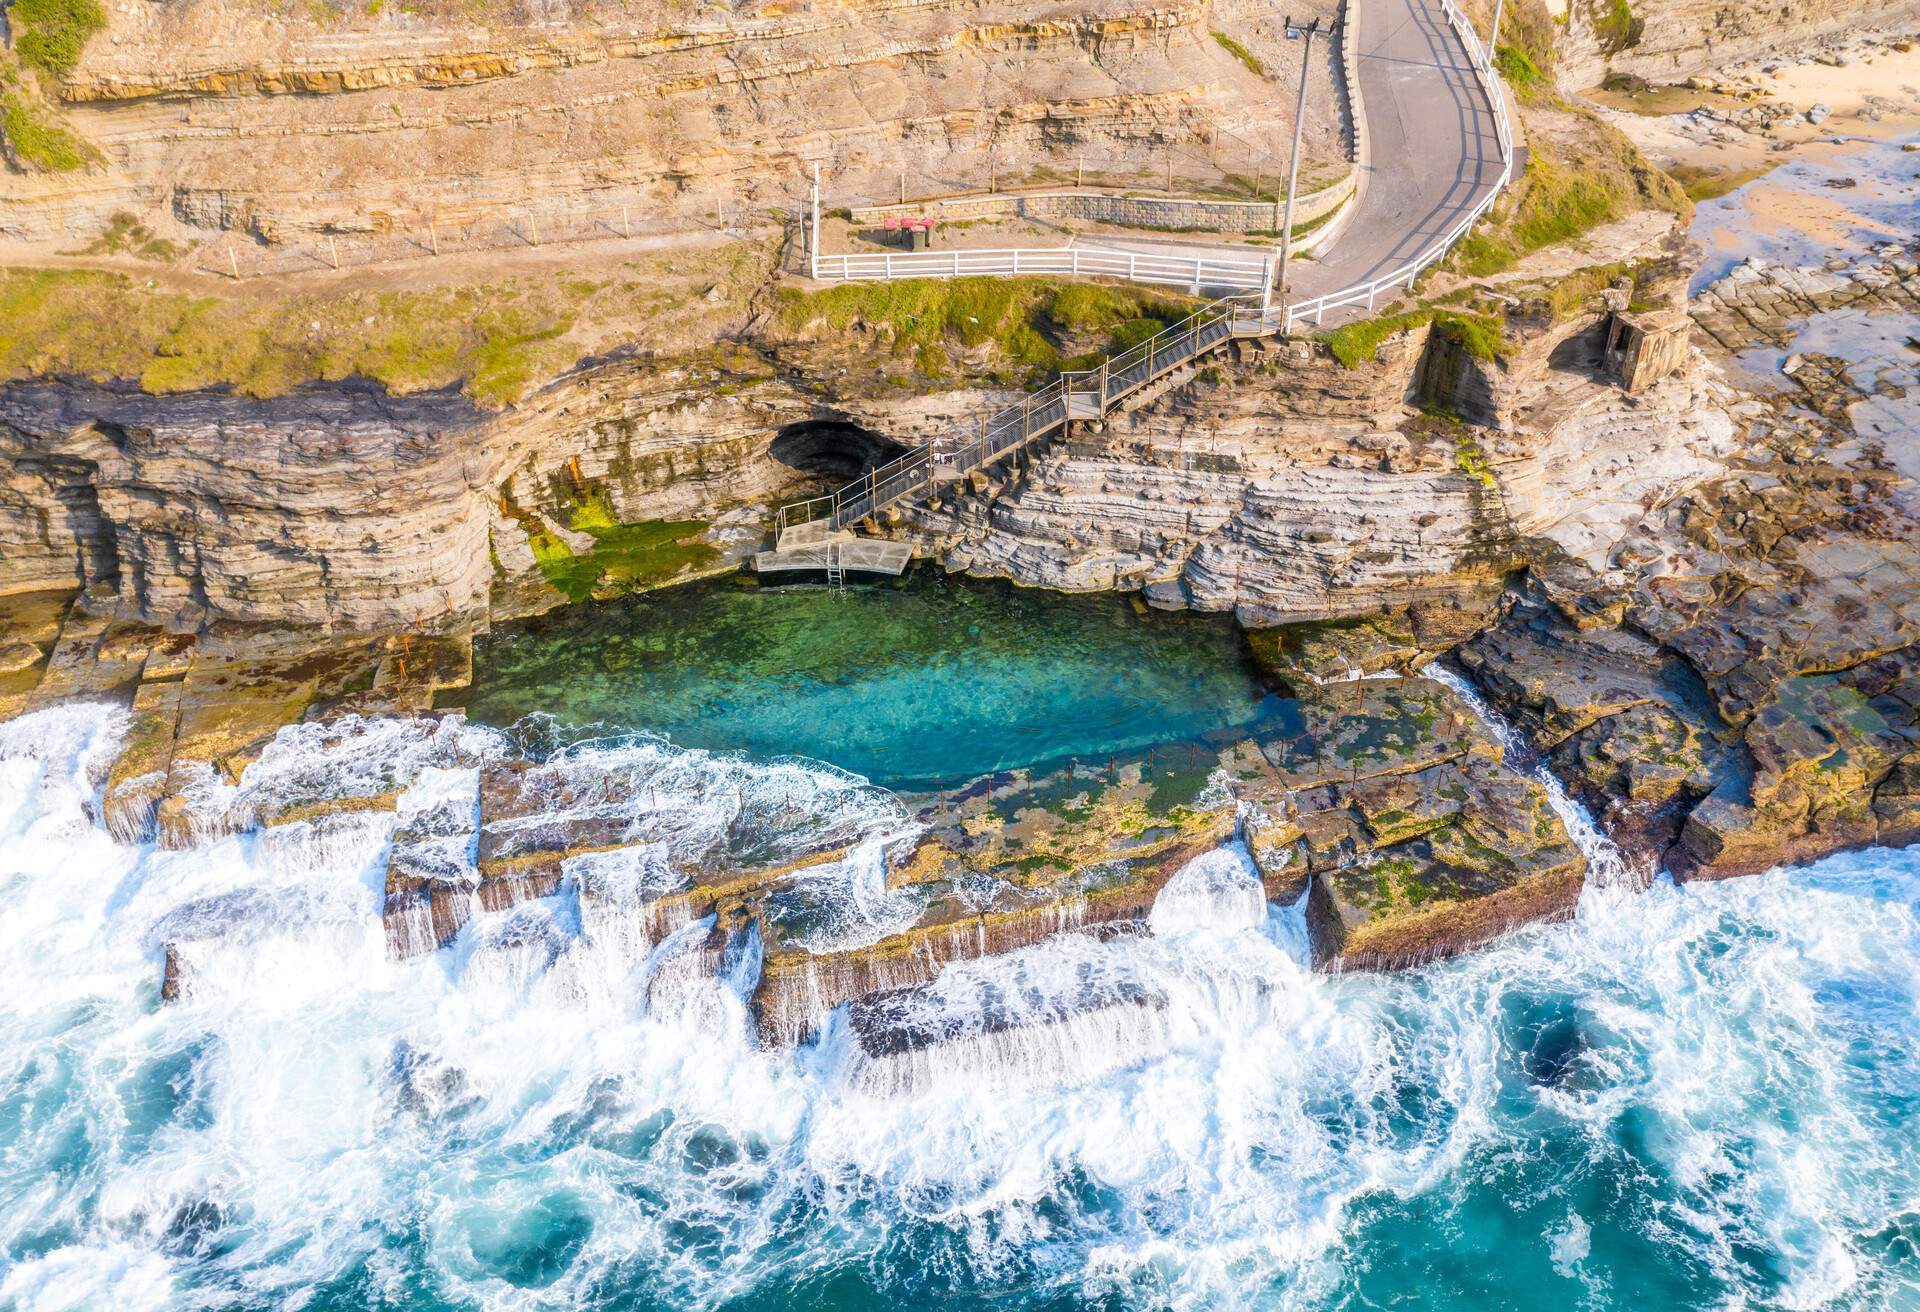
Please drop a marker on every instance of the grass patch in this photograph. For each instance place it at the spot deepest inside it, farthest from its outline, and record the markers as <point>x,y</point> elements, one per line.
<point>35,136</point>
<point>494,339</point>
<point>126,235</point>
<point>1019,324</point>
<point>1481,335</point>
<point>1574,294</point>
<point>48,35</point>
<point>1571,294</point>
<point>1568,190</point>
<point>1356,343</point>
<point>1241,53</point>
<point>629,557</point>
<point>1703,184</point>
<point>1562,203</point>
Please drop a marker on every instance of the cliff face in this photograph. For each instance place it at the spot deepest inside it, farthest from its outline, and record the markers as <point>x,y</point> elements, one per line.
<point>345,508</point>
<point>1286,487</point>
<point>378,119</point>
<point>332,507</point>
<point>1671,40</point>
<point>1274,482</point>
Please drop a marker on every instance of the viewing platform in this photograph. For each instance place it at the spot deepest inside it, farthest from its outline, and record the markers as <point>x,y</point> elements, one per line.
<point>818,546</point>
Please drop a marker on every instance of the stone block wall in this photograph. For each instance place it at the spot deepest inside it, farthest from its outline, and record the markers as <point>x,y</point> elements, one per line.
<point>1126,211</point>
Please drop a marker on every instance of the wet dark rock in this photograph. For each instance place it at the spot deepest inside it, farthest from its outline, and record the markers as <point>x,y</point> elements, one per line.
<point>193,1227</point>
<point>902,1020</point>
<point>427,1088</point>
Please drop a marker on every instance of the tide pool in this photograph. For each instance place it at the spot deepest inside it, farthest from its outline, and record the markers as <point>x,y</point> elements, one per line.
<point>932,680</point>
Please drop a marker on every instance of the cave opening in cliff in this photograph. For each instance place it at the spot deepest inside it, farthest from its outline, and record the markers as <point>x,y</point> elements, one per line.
<point>1582,353</point>
<point>833,450</point>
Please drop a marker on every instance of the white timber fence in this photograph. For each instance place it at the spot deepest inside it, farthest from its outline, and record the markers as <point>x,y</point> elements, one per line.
<point>1196,274</point>
<point>1368,293</point>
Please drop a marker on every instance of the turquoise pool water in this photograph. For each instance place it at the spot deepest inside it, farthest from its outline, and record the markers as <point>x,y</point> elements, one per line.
<point>927,681</point>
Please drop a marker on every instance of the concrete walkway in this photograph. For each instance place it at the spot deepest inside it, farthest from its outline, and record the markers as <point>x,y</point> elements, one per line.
<point>1435,148</point>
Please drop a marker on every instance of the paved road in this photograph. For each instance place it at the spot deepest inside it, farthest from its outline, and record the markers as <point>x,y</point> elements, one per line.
<point>1435,151</point>
<point>1434,145</point>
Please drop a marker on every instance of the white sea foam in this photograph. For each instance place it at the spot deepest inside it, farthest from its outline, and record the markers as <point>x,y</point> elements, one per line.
<point>1216,892</point>
<point>1609,874</point>
<point>1718,1072</point>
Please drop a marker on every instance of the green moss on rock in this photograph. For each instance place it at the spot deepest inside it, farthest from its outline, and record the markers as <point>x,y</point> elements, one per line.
<point>628,557</point>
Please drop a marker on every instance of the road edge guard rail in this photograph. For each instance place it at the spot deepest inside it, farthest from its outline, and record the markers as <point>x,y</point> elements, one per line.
<point>1089,393</point>
<point>1489,81</point>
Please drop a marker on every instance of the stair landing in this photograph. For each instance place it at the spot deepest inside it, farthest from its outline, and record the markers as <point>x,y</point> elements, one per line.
<point>824,549</point>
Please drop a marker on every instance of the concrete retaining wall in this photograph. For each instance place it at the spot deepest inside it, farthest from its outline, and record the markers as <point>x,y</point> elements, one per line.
<point>1120,210</point>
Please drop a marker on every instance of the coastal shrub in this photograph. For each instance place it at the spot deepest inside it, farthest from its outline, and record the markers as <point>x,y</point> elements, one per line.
<point>1529,30</point>
<point>1014,322</point>
<point>36,138</point>
<point>126,235</point>
<point>50,34</point>
<point>1615,25</point>
<point>1470,460</point>
<point>1481,335</point>
<point>1521,73</point>
<point>1241,53</point>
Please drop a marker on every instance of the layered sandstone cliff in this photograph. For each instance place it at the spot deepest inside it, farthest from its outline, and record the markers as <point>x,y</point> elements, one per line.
<point>1672,40</point>
<point>384,119</point>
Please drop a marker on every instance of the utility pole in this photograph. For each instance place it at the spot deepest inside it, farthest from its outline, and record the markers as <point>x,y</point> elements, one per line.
<point>1310,31</point>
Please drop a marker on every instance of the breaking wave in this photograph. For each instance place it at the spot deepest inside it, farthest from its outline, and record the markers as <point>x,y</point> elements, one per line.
<point>1694,1096</point>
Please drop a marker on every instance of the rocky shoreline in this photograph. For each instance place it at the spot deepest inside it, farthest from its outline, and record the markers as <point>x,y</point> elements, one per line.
<point>1728,677</point>
<point>1536,546</point>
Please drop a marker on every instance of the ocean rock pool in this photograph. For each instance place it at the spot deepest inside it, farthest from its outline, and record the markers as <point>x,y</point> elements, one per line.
<point>921,683</point>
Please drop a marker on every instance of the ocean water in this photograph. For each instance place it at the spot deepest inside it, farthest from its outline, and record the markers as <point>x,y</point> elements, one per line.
<point>1795,214</point>
<point>932,680</point>
<point>1687,1097</point>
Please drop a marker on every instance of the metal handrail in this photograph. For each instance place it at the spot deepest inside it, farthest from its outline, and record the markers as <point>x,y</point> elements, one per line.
<point>1503,132</point>
<point>1121,375</point>
<point>964,448</point>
